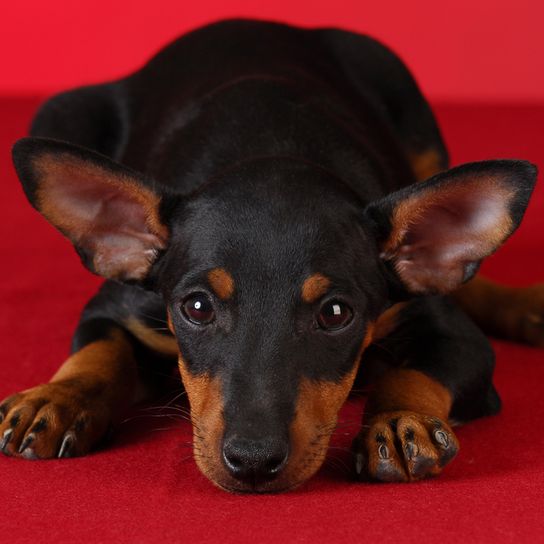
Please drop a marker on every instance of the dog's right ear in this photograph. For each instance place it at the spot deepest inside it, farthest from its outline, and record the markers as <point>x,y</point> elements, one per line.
<point>433,235</point>
<point>110,216</point>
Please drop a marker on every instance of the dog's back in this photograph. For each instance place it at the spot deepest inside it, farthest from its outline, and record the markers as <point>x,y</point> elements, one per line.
<point>241,89</point>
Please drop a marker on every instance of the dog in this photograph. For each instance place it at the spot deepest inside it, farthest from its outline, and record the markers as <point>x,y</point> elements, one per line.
<point>266,204</point>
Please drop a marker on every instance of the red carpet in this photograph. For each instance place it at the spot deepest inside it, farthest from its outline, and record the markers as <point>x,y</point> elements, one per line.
<point>146,488</point>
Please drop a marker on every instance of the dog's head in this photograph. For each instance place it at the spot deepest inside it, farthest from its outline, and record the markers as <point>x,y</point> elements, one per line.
<point>274,275</point>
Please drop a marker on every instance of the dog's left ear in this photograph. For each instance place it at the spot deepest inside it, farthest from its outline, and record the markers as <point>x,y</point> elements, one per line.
<point>435,233</point>
<point>111,217</point>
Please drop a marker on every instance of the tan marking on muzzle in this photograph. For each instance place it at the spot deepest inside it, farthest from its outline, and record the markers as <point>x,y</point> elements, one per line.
<point>315,419</point>
<point>206,402</point>
<point>314,287</point>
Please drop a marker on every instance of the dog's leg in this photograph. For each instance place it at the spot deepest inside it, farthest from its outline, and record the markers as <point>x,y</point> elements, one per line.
<point>513,313</point>
<point>71,413</point>
<point>442,371</point>
<point>107,372</point>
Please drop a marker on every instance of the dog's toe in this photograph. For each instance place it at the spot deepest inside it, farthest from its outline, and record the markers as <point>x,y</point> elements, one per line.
<point>50,421</point>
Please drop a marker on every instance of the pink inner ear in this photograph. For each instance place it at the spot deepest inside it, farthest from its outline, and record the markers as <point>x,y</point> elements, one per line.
<point>444,231</point>
<point>112,218</point>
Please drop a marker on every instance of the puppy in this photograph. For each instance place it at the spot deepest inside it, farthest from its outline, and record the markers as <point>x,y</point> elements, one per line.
<point>265,203</point>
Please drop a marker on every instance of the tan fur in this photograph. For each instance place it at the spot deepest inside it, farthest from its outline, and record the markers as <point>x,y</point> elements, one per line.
<point>169,322</point>
<point>206,401</point>
<point>387,322</point>
<point>316,413</point>
<point>315,418</point>
<point>165,344</point>
<point>98,360</point>
<point>514,313</point>
<point>411,432</point>
<point>221,282</point>
<point>87,393</point>
<point>418,405</point>
<point>408,389</point>
<point>426,164</point>
<point>314,287</point>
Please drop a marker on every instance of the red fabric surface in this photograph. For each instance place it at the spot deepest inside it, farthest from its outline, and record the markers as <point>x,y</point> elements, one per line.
<point>146,488</point>
<point>462,49</point>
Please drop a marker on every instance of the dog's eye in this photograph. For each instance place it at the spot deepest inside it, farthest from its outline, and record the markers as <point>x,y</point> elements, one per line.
<point>334,315</point>
<point>198,309</point>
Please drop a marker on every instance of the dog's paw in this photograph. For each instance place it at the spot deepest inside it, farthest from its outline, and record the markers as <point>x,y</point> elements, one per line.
<point>403,447</point>
<point>51,420</point>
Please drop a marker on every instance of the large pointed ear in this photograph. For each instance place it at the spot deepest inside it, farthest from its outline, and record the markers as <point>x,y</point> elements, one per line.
<point>106,210</point>
<point>434,234</point>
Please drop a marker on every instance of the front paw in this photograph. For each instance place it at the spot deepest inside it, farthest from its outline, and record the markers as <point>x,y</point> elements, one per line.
<point>403,447</point>
<point>52,420</point>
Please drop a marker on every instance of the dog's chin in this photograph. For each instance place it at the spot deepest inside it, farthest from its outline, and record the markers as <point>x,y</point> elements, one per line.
<point>258,489</point>
<point>234,486</point>
<point>289,479</point>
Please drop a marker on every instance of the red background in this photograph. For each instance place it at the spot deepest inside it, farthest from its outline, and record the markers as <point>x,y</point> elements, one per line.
<point>459,49</point>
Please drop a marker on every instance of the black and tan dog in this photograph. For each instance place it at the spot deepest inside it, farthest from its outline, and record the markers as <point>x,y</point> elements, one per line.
<point>254,186</point>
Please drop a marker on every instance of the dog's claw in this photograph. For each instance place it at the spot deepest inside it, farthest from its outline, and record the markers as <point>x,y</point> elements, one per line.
<point>26,442</point>
<point>359,463</point>
<point>411,450</point>
<point>6,437</point>
<point>65,450</point>
<point>383,451</point>
<point>52,420</point>
<point>442,438</point>
<point>29,454</point>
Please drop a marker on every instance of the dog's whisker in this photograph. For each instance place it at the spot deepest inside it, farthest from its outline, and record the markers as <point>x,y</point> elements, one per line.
<point>165,429</point>
<point>176,398</point>
<point>337,464</point>
<point>153,317</point>
<point>142,416</point>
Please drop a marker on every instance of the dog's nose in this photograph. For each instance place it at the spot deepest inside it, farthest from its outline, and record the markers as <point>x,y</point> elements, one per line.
<point>255,460</point>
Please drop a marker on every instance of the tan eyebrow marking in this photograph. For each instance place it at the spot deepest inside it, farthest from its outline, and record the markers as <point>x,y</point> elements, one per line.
<point>314,287</point>
<point>221,282</point>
